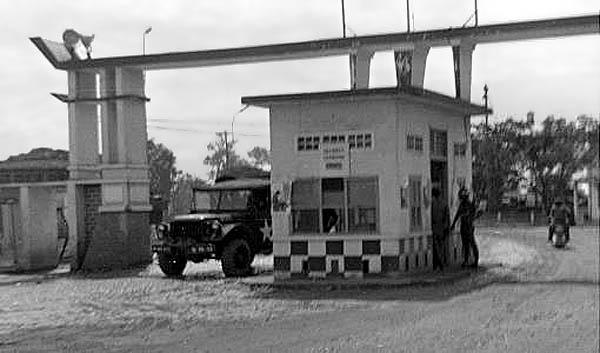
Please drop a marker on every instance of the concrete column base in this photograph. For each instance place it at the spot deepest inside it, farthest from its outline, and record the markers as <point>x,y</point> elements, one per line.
<point>120,240</point>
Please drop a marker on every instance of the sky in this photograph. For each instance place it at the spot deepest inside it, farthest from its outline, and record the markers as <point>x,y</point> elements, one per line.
<point>559,77</point>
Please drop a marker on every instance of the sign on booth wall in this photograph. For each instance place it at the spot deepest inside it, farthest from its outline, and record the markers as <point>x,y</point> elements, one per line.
<point>281,196</point>
<point>281,202</point>
<point>334,157</point>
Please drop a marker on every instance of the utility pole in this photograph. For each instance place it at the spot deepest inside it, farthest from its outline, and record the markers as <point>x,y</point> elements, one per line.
<point>148,30</point>
<point>226,151</point>
<point>476,14</point>
<point>408,15</point>
<point>343,19</point>
<point>485,99</point>
<point>233,119</point>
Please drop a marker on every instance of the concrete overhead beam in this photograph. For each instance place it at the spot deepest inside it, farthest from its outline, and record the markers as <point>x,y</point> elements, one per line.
<point>516,31</point>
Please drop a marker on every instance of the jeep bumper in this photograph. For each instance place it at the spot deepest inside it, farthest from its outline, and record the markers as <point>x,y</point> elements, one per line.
<point>206,249</point>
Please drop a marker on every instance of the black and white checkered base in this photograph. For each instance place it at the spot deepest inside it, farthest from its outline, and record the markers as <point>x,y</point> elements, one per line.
<point>357,258</point>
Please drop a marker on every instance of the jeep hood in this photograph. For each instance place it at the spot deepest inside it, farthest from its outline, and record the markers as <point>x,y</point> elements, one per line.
<point>203,216</point>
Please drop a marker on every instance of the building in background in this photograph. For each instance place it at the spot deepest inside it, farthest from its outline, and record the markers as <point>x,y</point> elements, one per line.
<point>33,228</point>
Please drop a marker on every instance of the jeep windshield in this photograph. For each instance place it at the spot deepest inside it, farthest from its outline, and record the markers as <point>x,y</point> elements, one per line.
<point>245,194</point>
<point>221,200</point>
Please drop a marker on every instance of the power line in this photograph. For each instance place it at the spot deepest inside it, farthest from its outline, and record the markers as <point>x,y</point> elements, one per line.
<point>253,135</point>
<point>181,129</point>
<point>195,122</point>
<point>201,131</point>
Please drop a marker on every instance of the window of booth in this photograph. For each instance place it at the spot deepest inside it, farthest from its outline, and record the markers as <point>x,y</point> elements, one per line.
<point>438,144</point>
<point>335,138</point>
<point>335,205</point>
<point>360,140</point>
<point>460,149</point>
<point>354,140</point>
<point>414,143</point>
<point>305,206</point>
<point>363,198</point>
<point>308,143</point>
<point>414,200</point>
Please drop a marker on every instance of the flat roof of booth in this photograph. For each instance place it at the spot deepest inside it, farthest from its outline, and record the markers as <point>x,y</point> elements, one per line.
<point>409,94</point>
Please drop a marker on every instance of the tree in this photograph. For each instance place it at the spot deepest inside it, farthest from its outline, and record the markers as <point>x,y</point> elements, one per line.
<point>260,157</point>
<point>162,173</point>
<point>222,156</point>
<point>182,193</point>
<point>495,159</point>
<point>511,151</point>
<point>554,153</point>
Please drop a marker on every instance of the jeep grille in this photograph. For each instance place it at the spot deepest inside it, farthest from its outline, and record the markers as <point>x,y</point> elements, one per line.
<point>183,230</point>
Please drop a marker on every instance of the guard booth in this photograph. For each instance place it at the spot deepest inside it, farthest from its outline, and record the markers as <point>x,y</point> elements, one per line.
<point>353,170</point>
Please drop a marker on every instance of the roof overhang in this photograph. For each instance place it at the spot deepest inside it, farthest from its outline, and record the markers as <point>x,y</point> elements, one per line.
<point>413,95</point>
<point>61,59</point>
<point>237,184</point>
<point>65,98</point>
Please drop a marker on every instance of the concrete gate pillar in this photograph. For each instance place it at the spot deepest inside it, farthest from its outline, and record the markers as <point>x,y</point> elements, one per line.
<point>360,67</point>
<point>125,184</point>
<point>109,189</point>
<point>463,58</point>
<point>83,156</point>
<point>83,125</point>
<point>419,63</point>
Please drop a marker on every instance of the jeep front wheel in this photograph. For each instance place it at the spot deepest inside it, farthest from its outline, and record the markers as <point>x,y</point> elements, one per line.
<point>171,265</point>
<point>237,258</point>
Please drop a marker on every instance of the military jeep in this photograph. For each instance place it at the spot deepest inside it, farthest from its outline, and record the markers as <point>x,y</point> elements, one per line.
<point>229,221</point>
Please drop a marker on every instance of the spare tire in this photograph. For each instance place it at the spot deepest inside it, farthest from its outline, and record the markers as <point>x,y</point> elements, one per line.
<point>171,265</point>
<point>237,258</point>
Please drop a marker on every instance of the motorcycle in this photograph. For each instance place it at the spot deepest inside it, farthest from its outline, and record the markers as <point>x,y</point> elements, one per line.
<point>559,236</point>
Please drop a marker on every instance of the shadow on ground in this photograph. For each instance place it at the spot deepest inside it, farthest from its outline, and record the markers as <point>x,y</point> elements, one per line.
<point>152,271</point>
<point>429,288</point>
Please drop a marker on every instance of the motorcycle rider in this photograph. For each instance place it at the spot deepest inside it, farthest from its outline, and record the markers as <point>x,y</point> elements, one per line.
<point>560,214</point>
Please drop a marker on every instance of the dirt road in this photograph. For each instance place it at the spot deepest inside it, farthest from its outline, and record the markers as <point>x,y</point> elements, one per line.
<point>528,297</point>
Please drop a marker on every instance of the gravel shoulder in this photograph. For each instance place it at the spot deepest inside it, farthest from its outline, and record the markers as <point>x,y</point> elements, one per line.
<point>528,296</point>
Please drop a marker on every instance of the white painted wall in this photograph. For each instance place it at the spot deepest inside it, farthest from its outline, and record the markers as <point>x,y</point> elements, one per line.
<point>389,119</point>
<point>39,237</point>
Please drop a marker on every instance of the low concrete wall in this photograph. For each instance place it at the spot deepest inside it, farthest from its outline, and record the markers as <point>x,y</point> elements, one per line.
<point>34,223</point>
<point>40,228</point>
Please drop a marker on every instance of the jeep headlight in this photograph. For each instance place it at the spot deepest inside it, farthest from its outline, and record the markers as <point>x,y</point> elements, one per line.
<point>161,231</point>
<point>214,229</point>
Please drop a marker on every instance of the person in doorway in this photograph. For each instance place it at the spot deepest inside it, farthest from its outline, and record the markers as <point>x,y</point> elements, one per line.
<point>63,232</point>
<point>332,222</point>
<point>440,222</point>
<point>467,214</point>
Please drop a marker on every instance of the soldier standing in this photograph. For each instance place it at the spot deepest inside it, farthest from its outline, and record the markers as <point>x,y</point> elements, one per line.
<point>467,215</point>
<point>440,222</point>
